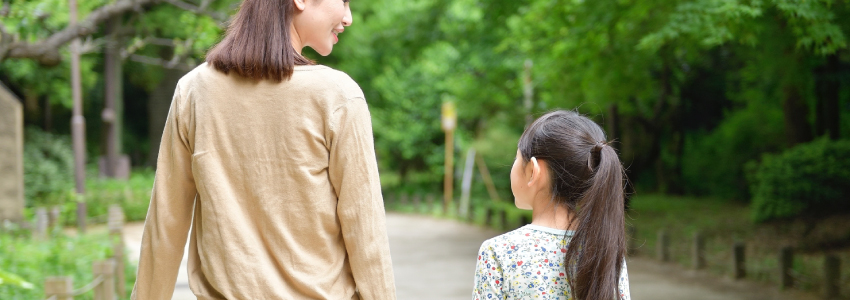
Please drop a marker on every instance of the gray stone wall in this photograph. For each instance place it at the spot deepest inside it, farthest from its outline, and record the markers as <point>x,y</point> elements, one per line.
<point>11,156</point>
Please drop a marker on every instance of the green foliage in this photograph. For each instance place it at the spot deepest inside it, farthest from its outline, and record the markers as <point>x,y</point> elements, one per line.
<point>7,278</point>
<point>409,56</point>
<point>60,255</point>
<point>713,163</point>
<point>133,196</point>
<point>48,166</point>
<point>809,180</point>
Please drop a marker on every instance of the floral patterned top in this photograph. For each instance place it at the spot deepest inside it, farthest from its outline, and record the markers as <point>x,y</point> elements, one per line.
<point>528,263</point>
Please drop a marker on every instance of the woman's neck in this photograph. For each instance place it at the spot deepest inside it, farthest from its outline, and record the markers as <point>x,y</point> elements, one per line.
<point>295,39</point>
<point>549,214</point>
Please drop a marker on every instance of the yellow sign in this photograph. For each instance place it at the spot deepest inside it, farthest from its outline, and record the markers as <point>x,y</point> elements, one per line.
<point>449,120</point>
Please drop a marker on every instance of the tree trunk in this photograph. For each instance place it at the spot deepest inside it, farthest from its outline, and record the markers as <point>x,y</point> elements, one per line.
<point>47,115</point>
<point>797,128</point>
<point>158,105</point>
<point>828,93</point>
<point>113,110</point>
<point>612,122</point>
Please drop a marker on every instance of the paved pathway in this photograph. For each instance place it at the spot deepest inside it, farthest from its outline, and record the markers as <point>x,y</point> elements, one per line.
<point>434,259</point>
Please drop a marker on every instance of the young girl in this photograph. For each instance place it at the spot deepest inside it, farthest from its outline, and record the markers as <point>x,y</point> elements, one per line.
<point>572,180</point>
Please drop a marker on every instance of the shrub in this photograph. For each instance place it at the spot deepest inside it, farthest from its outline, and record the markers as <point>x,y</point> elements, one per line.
<point>48,166</point>
<point>61,255</point>
<point>713,162</point>
<point>132,195</point>
<point>809,180</point>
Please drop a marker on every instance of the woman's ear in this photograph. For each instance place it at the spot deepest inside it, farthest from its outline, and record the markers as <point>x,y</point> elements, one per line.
<point>300,4</point>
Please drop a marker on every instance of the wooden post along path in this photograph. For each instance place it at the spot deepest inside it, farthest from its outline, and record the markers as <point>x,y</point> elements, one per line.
<point>832,277</point>
<point>53,220</point>
<point>699,251</point>
<point>106,270</point>
<point>41,223</point>
<point>116,232</point>
<point>59,288</point>
<point>662,246</point>
<point>738,261</point>
<point>786,263</point>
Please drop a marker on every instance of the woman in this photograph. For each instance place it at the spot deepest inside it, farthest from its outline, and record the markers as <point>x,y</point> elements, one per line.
<point>270,158</point>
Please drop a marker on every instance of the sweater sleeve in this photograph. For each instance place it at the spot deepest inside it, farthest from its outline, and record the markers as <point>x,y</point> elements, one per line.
<point>170,212</point>
<point>353,172</point>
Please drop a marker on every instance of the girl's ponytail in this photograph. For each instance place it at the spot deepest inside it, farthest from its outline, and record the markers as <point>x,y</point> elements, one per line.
<point>588,179</point>
<point>597,249</point>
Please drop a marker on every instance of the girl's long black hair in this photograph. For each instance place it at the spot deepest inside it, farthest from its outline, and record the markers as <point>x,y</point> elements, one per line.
<point>588,178</point>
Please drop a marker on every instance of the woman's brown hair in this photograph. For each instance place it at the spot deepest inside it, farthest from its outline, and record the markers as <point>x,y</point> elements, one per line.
<point>588,179</point>
<point>257,44</point>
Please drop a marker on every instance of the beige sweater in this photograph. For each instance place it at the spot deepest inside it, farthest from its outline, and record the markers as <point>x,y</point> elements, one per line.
<point>280,186</point>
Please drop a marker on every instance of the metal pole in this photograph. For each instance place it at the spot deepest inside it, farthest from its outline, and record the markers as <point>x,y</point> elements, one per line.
<point>78,125</point>
<point>466,185</point>
<point>449,170</point>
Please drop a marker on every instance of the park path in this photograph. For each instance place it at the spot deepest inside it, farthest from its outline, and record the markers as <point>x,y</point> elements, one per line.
<point>434,259</point>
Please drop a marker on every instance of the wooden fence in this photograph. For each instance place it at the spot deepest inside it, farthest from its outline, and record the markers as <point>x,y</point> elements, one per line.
<point>785,274</point>
<point>109,279</point>
<point>496,217</point>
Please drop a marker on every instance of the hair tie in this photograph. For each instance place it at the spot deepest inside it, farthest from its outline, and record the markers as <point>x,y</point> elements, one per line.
<point>599,145</point>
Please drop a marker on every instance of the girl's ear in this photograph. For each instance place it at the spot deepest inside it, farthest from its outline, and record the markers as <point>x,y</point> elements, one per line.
<point>535,171</point>
<point>300,4</point>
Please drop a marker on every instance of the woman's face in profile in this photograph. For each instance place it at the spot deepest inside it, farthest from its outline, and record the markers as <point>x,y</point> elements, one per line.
<point>319,22</point>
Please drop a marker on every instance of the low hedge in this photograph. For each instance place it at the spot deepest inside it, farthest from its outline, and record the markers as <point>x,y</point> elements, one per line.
<point>807,181</point>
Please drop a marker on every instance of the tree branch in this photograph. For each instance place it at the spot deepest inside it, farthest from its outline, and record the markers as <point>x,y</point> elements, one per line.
<point>172,64</point>
<point>4,11</point>
<point>46,51</point>
<point>201,10</point>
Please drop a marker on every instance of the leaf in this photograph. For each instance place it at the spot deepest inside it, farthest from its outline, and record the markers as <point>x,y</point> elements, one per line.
<point>7,278</point>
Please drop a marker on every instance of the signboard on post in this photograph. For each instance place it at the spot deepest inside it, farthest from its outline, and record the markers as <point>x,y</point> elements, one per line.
<point>449,122</point>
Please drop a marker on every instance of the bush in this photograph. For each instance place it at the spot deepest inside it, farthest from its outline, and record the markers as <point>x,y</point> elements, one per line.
<point>48,166</point>
<point>809,180</point>
<point>33,261</point>
<point>132,195</point>
<point>713,162</point>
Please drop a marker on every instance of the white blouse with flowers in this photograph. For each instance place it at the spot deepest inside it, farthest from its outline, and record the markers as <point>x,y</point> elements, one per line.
<point>528,263</point>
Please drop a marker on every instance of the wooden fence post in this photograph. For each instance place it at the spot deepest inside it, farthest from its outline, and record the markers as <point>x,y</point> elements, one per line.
<point>41,223</point>
<point>503,219</point>
<point>831,275</point>
<point>116,232</point>
<point>61,287</point>
<point>488,215</point>
<point>699,251</point>
<point>738,261</point>
<point>662,246</point>
<point>106,289</point>
<point>403,199</point>
<point>786,263</point>
<point>53,217</point>
<point>417,201</point>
